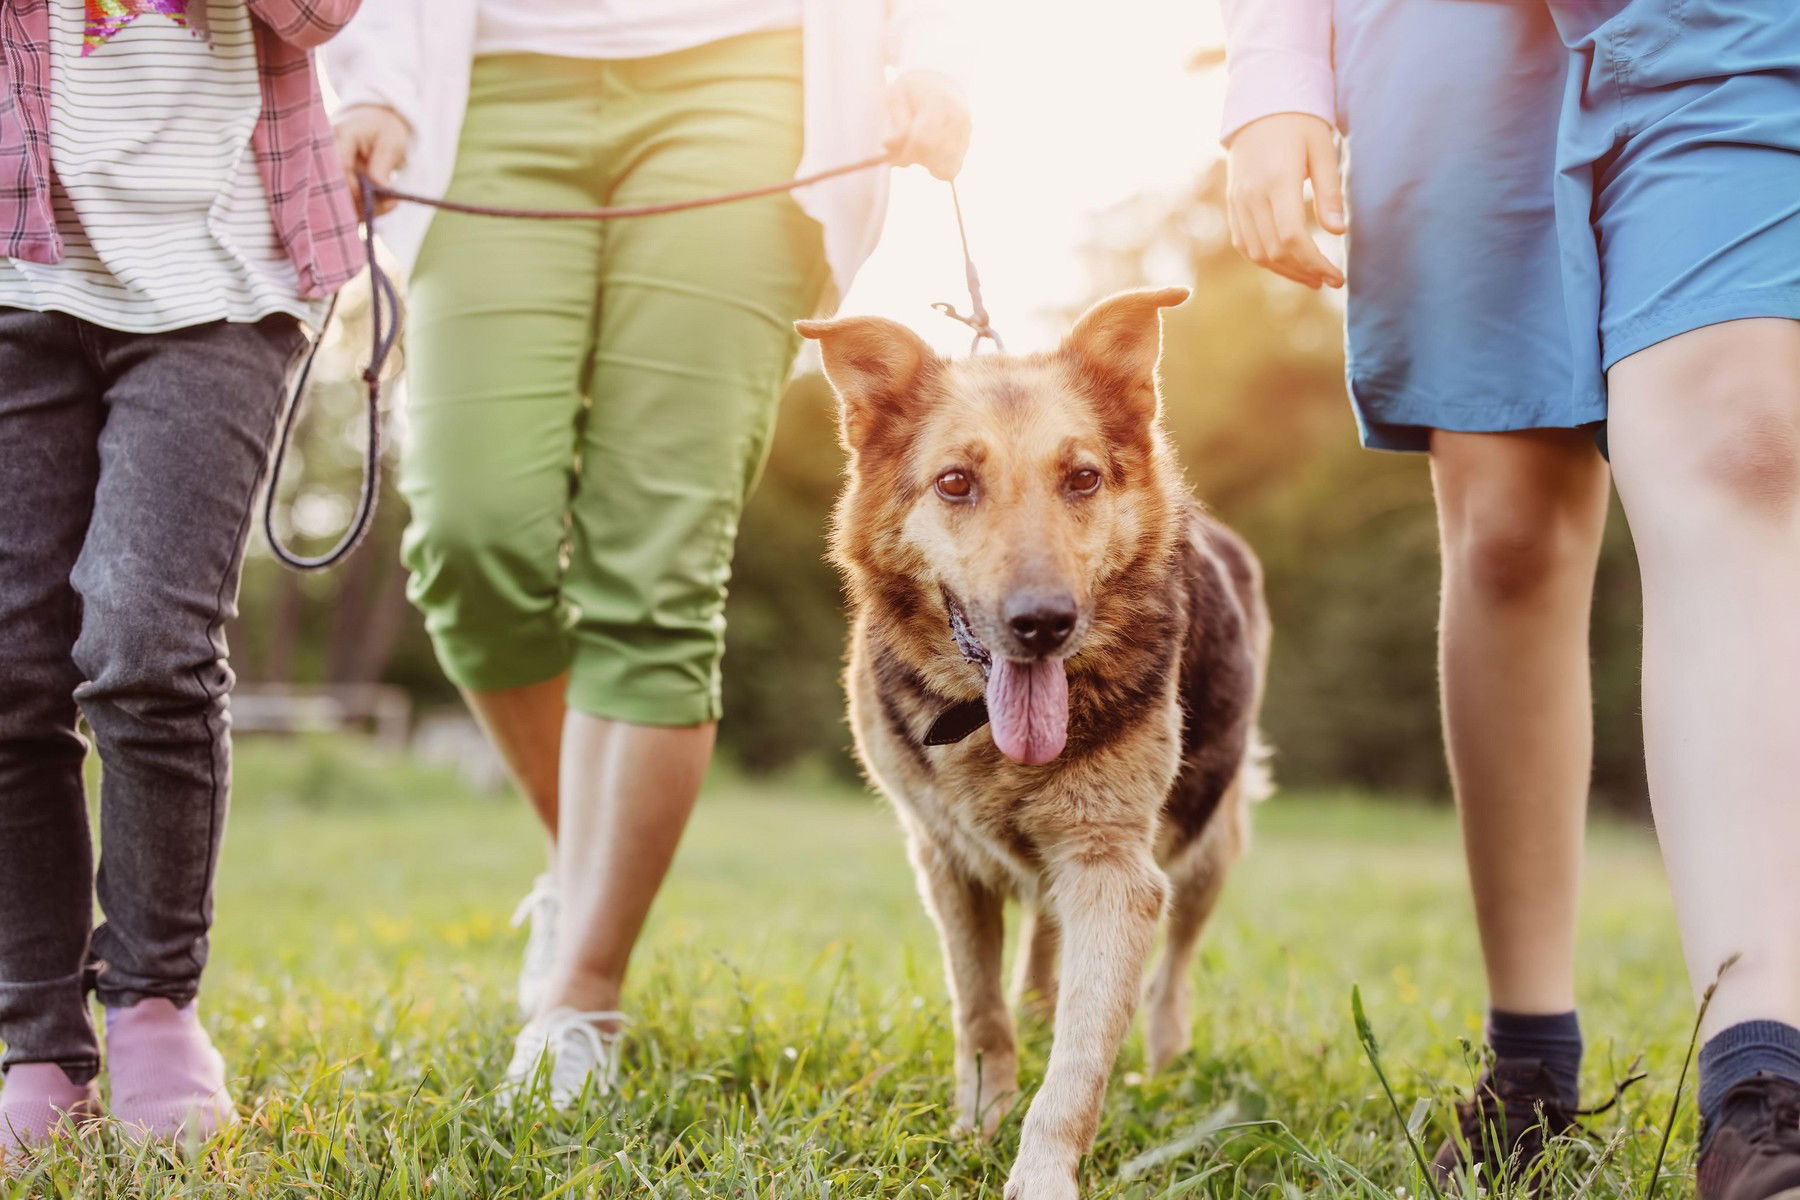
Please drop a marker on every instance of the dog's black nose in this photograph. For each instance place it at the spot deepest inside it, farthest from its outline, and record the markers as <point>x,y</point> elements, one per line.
<point>1040,621</point>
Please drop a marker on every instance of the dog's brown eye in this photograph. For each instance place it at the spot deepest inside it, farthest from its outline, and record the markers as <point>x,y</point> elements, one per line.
<point>1084,482</point>
<point>955,485</point>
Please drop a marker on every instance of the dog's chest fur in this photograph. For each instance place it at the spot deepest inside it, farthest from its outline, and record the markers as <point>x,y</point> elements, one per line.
<point>1160,716</point>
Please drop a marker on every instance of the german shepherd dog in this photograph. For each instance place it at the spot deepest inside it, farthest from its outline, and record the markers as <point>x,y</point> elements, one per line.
<point>1021,554</point>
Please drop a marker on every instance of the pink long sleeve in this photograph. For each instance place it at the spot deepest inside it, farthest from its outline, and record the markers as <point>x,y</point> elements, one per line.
<point>305,24</point>
<point>1278,60</point>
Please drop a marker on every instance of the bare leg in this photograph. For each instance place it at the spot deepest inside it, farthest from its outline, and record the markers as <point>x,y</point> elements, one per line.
<point>1034,969</point>
<point>627,793</point>
<point>971,928</point>
<point>526,726</point>
<point>1705,433</point>
<point>1108,910</point>
<point>1521,517</point>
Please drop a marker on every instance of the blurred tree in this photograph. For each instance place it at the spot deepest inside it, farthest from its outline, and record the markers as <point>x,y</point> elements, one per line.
<point>785,619</point>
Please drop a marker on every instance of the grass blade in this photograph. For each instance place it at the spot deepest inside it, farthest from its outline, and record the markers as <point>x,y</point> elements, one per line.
<point>1365,1033</point>
<point>1662,1148</point>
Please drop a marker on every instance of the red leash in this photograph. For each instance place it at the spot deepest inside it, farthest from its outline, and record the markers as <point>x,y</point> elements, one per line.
<point>384,322</point>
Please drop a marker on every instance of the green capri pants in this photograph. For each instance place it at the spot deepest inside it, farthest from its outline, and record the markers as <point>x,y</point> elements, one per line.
<point>591,402</point>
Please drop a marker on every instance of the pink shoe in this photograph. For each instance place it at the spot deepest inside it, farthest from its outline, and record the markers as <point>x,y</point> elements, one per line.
<point>168,1082</point>
<point>37,1099</point>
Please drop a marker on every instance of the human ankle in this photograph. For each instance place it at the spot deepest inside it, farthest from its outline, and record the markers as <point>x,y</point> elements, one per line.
<point>1740,1052</point>
<point>1553,1039</point>
<point>584,993</point>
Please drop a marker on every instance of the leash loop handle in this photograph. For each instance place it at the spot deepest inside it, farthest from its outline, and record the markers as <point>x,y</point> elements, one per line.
<point>384,308</point>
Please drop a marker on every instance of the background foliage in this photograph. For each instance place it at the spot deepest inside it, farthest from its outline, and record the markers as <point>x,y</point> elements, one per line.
<point>1253,376</point>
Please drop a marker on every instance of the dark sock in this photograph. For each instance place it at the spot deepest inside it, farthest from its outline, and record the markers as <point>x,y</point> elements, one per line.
<point>1735,1054</point>
<point>1554,1039</point>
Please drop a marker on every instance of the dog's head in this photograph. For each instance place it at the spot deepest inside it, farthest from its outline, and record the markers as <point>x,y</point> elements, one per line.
<point>1015,486</point>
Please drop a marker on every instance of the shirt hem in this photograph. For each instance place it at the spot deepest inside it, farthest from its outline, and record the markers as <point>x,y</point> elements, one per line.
<point>308,313</point>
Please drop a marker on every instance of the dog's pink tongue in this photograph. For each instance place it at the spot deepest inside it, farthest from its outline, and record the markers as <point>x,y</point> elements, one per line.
<point>1028,704</point>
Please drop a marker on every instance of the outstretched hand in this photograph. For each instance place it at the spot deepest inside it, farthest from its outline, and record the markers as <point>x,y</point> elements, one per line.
<point>928,123</point>
<point>1272,160</point>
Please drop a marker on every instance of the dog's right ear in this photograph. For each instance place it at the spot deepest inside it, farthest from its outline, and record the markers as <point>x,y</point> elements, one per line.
<point>877,367</point>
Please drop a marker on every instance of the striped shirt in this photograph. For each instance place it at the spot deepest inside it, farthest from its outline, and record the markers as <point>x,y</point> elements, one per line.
<point>156,193</point>
<point>292,140</point>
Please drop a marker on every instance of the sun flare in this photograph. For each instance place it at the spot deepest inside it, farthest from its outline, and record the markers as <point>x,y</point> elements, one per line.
<point>1072,114</point>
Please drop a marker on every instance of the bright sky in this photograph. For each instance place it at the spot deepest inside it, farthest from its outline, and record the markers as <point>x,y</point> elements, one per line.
<point>1078,104</point>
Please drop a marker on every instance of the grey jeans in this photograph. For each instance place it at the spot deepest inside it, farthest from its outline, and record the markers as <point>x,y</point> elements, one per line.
<point>129,465</point>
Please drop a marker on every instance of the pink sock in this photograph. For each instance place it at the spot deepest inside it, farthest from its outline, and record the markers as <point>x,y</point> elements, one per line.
<point>167,1079</point>
<point>36,1099</point>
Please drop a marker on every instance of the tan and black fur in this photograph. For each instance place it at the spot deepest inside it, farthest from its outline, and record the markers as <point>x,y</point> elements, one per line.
<point>1144,811</point>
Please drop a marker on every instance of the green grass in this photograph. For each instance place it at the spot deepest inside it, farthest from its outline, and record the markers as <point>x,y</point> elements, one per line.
<point>791,1035</point>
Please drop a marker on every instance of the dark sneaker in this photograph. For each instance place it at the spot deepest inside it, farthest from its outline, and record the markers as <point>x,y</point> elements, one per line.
<point>1753,1152</point>
<point>1504,1128</point>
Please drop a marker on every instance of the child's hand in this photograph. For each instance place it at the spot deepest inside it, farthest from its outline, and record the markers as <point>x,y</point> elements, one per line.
<point>1271,160</point>
<point>372,140</point>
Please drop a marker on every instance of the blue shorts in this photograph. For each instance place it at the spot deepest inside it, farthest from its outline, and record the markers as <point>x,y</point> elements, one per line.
<point>1539,188</point>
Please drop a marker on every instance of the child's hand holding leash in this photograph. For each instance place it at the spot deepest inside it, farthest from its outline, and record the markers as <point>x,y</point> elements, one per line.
<point>372,140</point>
<point>1271,161</point>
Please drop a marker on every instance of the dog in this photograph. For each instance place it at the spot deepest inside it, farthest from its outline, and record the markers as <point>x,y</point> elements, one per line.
<point>1055,670</point>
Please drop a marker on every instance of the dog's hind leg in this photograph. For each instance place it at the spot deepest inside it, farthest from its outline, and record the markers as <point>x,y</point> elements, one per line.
<point>1107,905</point>
<point>971,921</point>
<point>1168,999</point>
<point>1195,881</point>
<point>1034,968</point>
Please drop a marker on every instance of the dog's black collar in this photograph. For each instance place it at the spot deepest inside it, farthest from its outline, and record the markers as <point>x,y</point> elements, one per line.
<point>964,717</point>
<point>957,722</point>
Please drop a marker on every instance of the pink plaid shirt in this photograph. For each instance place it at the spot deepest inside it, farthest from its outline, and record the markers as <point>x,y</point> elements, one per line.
<point>292,139</point>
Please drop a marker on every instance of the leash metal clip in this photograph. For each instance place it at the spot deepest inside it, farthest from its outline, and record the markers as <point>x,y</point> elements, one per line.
<point>977,318</point>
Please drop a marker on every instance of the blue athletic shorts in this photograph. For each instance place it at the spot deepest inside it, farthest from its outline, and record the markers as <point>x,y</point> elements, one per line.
<point>1539,188</point>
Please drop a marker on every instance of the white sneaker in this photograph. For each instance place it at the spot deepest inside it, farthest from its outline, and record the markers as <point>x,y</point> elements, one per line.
<point>540,908</point>
<point>563,1052</point>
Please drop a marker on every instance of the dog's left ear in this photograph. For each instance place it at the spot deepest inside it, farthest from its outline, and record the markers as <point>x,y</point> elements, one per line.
<point>877,367</point>
<point>1120,339</point>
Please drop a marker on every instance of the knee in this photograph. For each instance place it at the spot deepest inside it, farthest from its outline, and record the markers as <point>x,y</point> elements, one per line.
<point>487,579</point>
<point>144,661</point>
<point>1521,517</point>
<point>474,540</point>
<point>1511,555</point>
<point>1716,438</point>
<point>1751,464</point>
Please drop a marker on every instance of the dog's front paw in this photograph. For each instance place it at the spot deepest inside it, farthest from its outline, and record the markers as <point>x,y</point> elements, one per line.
<point>984,1097</point>
<point>1041,1181</point>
